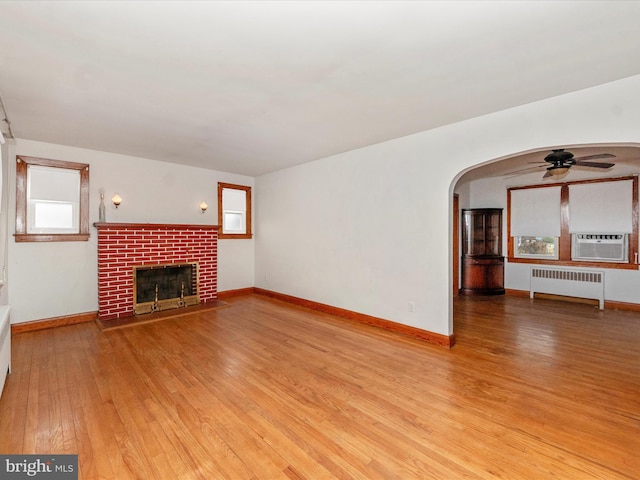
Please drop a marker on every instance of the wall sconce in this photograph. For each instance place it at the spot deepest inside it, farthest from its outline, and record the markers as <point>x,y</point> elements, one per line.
<point>117,200</point>
<point>204,206</point>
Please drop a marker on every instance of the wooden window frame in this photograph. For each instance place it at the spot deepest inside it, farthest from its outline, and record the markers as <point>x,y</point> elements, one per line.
<point>564,241</point>
<point>21,235</point>
<point>248,216</point>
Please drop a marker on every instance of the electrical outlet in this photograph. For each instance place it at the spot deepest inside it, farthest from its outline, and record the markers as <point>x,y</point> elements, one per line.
<point>412,306</point>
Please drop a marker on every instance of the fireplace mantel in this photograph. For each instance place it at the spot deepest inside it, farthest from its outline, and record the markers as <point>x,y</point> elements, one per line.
<point>100,225</point>
<point>123,246</point>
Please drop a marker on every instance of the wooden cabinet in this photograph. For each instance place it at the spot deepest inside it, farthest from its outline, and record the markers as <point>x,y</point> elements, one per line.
<point>482,260</point>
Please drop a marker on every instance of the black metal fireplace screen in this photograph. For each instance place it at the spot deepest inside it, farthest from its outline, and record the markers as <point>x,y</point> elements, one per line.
<point>162,287</point>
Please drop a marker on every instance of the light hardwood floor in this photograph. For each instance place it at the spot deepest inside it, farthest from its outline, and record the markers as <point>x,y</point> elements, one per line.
<point>260,389</point>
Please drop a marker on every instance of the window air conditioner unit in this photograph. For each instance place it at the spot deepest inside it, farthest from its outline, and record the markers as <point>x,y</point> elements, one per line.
<point>600,247</point>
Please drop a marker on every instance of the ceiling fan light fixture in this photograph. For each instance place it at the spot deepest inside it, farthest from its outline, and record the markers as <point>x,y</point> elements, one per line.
<point>558,171</point>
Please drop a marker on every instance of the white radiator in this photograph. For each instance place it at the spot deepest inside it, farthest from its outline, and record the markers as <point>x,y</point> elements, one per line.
<point>569,283</point>
<point>5,345</point>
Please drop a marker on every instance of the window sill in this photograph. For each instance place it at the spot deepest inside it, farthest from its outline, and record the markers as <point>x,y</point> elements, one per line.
<point>232,236</point>
<point>572,263</point>
<point>46,237</point>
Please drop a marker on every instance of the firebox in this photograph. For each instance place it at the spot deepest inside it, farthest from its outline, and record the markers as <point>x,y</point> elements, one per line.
<point>162,287</point>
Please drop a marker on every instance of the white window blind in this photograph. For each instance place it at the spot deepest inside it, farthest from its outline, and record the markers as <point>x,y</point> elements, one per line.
<point>53,184</point>
<point>535,212</point>
<point>601,207</point>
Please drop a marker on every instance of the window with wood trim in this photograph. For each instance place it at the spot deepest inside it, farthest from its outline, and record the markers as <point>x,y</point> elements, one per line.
<point>52,200</point>
<point>234,211</point>
<point>552,224</point>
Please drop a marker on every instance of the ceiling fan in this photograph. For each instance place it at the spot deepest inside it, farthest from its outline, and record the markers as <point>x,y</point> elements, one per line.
<point>559,161</point>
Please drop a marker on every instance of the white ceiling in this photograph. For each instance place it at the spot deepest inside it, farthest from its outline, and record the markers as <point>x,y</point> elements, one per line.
<point>252,87</point>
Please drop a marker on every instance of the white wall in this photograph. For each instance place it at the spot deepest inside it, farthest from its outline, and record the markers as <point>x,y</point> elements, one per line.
<point>349,231</point>
<point>370,230</point>
<point>52,279</point>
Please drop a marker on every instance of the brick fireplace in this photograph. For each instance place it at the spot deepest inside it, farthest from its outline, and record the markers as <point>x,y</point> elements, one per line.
<point>123,247</point>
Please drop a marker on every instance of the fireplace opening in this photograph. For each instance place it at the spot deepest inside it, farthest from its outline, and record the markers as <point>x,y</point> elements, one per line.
<point>162,287</point>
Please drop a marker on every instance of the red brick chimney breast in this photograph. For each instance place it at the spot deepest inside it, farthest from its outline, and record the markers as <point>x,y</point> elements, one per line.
<point>121,246</point>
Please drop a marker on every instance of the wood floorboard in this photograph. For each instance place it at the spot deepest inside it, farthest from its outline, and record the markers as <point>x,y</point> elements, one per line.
<point>262,389</point>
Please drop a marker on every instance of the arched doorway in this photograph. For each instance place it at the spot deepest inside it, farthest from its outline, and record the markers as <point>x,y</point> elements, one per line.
<point>486,185</point>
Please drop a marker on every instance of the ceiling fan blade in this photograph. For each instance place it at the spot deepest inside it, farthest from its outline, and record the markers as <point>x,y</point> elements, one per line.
<point>594,157</point>
<point>523,171</point>
<point>594,164</point>
<point>547,174</point>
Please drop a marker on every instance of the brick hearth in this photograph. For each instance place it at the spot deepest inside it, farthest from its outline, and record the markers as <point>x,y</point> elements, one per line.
<point>121,246</point>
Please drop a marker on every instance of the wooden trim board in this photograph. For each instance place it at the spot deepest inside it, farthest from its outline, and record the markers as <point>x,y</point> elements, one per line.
<point>431,337</point>
<point>53,322</point>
